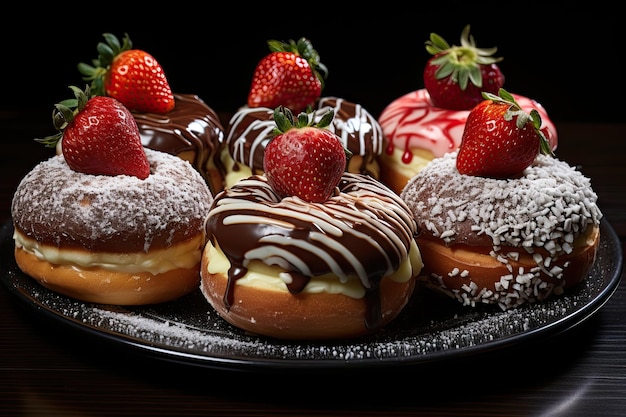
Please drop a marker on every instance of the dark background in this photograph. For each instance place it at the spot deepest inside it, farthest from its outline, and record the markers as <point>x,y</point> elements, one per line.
<point>567,58</point>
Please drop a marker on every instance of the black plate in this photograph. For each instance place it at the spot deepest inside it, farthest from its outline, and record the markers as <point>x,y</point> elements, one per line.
<point>431,328</point>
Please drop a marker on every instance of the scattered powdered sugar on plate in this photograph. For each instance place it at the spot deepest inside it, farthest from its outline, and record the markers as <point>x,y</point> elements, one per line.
<point>431,326</point>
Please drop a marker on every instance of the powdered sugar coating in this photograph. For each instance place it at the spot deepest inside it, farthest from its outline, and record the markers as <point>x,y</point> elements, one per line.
<point>57,206</point>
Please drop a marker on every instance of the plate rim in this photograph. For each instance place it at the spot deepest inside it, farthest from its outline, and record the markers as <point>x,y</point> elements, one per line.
<point>241,362</point>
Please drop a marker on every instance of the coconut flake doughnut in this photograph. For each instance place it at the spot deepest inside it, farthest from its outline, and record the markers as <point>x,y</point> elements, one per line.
<point>290,269</point>
<point>112,239</point>
<point>416,131</point>
<point>507,241</point>
<point>250,129</point>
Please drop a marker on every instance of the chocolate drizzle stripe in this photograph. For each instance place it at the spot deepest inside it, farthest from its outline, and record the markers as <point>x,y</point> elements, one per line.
<point>250,129</point>
<point>365,231</point>
<point>248,135</point>
<point>352,120</point>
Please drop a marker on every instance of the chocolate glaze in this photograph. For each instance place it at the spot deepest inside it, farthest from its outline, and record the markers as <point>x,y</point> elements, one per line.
<point>191,130</point>
<point>359,131</point>
<point>365,231</point>
<point>250,129</point>
<point>247,135</point>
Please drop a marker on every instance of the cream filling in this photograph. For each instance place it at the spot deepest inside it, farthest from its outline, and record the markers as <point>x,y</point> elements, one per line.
<point>420,159</point>
<point>233,175</point>
<point>274,278</point>
<point>183,255</point>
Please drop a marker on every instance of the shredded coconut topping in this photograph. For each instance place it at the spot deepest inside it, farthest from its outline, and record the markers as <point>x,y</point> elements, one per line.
<point>548,207</point>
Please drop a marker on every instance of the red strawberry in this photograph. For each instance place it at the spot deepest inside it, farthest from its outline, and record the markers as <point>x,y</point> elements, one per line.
<point>304,159</point>
<point>132,76</point>
<point>455,76</point>
<point>291,76</point>
<point>500,139</point>
<point>99,137</point>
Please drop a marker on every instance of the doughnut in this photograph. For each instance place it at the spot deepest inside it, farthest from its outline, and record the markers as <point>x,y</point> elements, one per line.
<point>504,241</point>
<point>250,129</point>
<point>290,269</point>
<point>112,239</point>
<point>415,132</point>
<point>192,131</point>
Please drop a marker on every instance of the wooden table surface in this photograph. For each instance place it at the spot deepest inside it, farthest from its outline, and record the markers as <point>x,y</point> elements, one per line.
<point>51,369</point>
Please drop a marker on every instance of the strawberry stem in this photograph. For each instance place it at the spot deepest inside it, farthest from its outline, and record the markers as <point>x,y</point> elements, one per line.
<point>64,113</point>
<point>106,54</point>
<point>515,110</point>
<point>285,120</point>
<point>460,63</point>
<point>303,48</point>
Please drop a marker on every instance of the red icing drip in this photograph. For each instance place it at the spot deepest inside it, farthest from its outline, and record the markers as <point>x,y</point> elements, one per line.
<point>407,156</point>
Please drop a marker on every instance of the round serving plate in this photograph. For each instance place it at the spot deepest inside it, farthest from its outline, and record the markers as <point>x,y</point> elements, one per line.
<point>431,328</point>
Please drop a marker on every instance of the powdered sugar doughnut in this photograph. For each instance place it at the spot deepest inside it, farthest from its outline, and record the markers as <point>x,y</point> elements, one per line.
<point>504,242</point>
<point>112,239</point>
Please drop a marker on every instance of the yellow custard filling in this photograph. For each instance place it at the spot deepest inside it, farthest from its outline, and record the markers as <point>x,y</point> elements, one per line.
<point>420,158</point>
<point>271,277</point>
<point>183,255</point>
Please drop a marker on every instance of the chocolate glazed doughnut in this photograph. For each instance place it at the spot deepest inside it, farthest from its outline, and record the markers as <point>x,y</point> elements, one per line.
<point>504,241</point>
<point>192,131</point>
<point>297,270</point>
<point>250,129</point>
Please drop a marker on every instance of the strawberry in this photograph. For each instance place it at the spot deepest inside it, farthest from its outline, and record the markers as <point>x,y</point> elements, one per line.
<point>291,75</point>
<point>99,137</point>
<point>132,76</point>
<point>455,76</point>
<point>500,139</point>
<point>304,159</point>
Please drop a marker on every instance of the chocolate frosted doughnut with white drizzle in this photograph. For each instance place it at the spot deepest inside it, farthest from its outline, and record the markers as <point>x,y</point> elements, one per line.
<point>191,131</point>
<point>360,133</point>
<point>250,129</point>
<point>292,269</point>
<point>504,242</point>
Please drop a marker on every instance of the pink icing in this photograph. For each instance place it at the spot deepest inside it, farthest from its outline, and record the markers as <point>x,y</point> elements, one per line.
<point>411,121</point>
